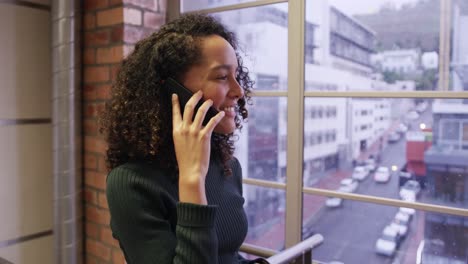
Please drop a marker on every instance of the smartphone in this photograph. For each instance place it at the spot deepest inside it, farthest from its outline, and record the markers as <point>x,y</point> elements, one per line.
<point>184,94</point>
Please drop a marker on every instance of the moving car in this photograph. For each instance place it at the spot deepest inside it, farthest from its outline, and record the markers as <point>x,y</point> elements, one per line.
<point>393,137</point>
<point>382,174</point>
<point>348,185</point>
<point>389,242</point>
<point>412,115</point>
<point>333,202</point>
<point>410,190</point>
<point>360,173</point>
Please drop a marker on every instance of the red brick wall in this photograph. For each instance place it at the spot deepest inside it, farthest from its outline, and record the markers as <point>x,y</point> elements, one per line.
<point>110,29</point>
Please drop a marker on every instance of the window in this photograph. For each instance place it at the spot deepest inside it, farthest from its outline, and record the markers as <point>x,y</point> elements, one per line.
<point>346,38</point>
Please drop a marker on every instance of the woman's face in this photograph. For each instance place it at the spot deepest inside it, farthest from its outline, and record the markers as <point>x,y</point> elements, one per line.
<point>215,76</point>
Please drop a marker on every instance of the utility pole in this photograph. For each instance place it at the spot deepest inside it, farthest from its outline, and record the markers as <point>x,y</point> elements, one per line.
<point>444,44</point>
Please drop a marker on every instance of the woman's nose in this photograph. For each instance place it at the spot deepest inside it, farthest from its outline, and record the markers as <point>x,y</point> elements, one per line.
<point>236,90</point>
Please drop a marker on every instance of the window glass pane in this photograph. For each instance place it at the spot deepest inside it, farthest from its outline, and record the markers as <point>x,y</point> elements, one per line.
<point>191,5</point>
<point>391,148</point>
<point>261,146</point>
<point>263,38</point>
<point>385,45</point>
<point>265,209</point>
<point>357,232</point>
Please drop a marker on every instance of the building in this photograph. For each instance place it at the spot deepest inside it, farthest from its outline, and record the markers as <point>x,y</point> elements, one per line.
<point>398,61</point>
<point>447,183</point>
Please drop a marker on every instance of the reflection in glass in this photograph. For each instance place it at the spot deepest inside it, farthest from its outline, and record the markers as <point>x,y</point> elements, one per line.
<point>265,209</point>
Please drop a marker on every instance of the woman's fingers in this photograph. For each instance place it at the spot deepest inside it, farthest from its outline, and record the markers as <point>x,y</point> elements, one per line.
<point>213,122</point>
<point>201,113</point>
<point>190,107</point>
<point>176,117</point>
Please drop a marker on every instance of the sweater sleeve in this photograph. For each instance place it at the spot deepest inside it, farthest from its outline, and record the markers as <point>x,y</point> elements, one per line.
<point>140,221</point>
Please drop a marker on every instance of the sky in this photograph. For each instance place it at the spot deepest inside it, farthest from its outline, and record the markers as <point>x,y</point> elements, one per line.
<point>353,7</point>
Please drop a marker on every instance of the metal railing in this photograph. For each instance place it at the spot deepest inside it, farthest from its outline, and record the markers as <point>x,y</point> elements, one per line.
<point>301,253</point>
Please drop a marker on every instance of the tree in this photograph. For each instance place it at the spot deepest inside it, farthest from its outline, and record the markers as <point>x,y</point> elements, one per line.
<point>390,76</point>
<point>427,81</point>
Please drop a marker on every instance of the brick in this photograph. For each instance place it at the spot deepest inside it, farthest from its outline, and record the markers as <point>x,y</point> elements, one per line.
<point>114,69</point>
<point>110,17</point>
<point>145,4</point>
<point>132,16</point>
<point>128,49</point>
<point>91,259</point>
<point>103,91</point>
<point>96,74</point>
<point>90,127</point>
<point>91,230</point>
<point>102,165</point>
<point>93,144</point>
<point>116,2</point>
<point>89,21</point>
<point>97,38</point>
<point>95,4</point>
<point>96,215</point>
<point>117,34</point>
<point>91,196</point>
<point>110,54</point>
<point>106,237</point>
<point>89,56</point>
<point>118,257</point>
<point>102,200</point>
<point>98,249</point>
<point>95,179</point>
<point>90,161</point>
<point>93,109</point>
<point>133,34</point>
<point>153,20</point>
<point>89,92</point>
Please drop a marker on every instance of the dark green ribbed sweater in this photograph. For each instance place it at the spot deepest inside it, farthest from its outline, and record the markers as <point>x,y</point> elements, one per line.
<point>153,227</point>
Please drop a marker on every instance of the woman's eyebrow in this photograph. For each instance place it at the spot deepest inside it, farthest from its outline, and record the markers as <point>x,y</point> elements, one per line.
<point>223,67</point>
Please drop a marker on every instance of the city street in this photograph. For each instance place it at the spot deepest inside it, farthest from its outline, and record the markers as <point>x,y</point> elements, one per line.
<point>351,231</point>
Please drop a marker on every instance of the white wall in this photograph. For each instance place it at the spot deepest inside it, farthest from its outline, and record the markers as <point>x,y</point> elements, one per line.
<point>26,183</point>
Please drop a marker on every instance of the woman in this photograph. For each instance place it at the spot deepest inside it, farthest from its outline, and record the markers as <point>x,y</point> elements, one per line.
<point>175,189</point>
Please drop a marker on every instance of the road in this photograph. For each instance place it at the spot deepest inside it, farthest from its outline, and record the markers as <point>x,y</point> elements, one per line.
<point>351,231</point>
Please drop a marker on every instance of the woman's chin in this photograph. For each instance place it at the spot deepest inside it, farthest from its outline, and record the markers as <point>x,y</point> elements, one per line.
<point>225,127</point>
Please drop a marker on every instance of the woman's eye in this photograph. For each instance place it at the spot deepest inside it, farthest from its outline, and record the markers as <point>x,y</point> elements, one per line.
<point>224,77</point>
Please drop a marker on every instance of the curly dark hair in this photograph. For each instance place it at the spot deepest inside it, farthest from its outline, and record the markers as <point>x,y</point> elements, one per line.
<point>137,120</point>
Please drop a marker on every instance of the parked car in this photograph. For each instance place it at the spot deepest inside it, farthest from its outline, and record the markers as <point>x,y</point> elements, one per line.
<point>410,190</point>
<point>360,173</point>
<point>370,164</point>
<point>348,185</point>
<point>401,223</point>
<point>408,211</point>
<point>382,174</point>
<point>389,242</point>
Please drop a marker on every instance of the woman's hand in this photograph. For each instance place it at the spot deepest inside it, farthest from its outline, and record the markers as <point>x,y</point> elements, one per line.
<point>192,143</point>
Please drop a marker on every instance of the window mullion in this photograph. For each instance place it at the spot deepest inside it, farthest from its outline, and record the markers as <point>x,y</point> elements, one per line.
<point>295,130</point>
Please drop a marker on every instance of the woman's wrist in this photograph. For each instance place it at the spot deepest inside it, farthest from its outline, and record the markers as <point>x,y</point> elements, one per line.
<point>192,193</point>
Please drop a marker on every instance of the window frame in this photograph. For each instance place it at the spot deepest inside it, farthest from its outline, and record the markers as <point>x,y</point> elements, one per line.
<point>295,116</point>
